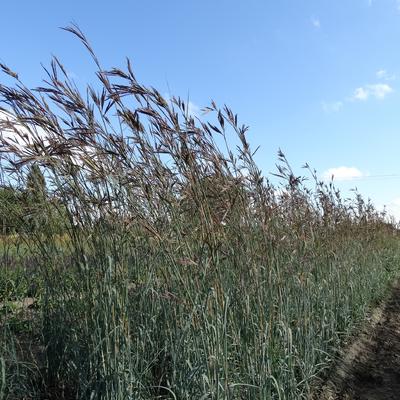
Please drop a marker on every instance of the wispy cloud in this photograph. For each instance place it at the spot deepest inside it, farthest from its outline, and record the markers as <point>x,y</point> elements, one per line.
<point>316,23</point>
<point>193,109</point>
<point>17,135</point>
<point>378,91</point>
<point>332,107</point>
<point>72,75</point>
<point>360,94</point>
<point>396,2</point>
<point>22,137</point>
<point>385,75</point>
<point>393,208</point>
<point>342,174</point>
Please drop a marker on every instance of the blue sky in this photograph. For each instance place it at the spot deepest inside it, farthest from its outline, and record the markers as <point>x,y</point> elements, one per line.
<point>319,79</point>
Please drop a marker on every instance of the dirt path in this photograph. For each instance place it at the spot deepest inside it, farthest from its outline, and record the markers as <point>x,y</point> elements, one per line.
<point>370,368</point>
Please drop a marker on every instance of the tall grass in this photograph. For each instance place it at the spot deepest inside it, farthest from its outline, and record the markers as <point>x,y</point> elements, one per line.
<point>171,267</point>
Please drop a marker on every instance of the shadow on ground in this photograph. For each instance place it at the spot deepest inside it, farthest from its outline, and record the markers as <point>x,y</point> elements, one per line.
<point>370,367</point>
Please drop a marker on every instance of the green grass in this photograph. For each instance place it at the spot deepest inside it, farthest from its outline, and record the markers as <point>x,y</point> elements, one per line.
<point>164,266</point>
<point>241,330</point>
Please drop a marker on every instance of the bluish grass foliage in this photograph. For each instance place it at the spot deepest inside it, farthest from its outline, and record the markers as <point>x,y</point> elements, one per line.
<point>165,265</point>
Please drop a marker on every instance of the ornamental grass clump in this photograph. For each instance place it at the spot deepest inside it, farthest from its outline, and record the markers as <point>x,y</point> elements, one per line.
<point>171,267</point>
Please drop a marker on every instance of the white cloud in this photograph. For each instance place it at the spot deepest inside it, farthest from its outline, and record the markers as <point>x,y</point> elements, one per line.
<point>72,75</point>
<point>14,134</point>
<point>31,140</point>
<point>385,75</point>
<point>381,73</point>
<point>378,91</point>
<point>360,94</point>
<point>396,2</point>
<point>193,109</point>
<point>332,107</point>
<point>316,23</point>
<point>342,174</point>
<point>393,208</point>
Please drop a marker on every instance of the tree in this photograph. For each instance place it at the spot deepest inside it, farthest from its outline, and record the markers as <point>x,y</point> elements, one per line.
<point>35,198</point>
<point>11,210</point>
<point>36,185</point>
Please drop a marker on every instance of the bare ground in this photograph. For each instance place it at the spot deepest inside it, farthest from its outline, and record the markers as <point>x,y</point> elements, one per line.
<point>370,366</point>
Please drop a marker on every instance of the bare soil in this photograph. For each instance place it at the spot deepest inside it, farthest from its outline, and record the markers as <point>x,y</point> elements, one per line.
<point>370,366</point>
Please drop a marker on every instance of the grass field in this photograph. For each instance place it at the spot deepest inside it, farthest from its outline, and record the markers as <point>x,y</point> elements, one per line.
<point>159,263</point>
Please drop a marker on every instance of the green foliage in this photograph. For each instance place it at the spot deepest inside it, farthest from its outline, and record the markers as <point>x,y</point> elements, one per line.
<point>35,186</point>
<point>13,284</point>
<point>11,210</point>
<point>35,197</point>
<point>19,372</point>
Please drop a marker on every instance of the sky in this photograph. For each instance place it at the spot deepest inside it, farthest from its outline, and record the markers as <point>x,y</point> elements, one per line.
<point>319,79</point>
